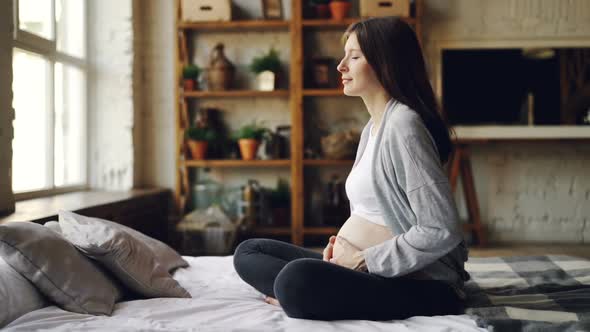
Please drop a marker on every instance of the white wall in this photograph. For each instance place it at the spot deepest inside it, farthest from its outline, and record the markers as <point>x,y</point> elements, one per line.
<point>155,77</point>
<point>526,191</point>
<point>111,108</point>
<point>6,111</point>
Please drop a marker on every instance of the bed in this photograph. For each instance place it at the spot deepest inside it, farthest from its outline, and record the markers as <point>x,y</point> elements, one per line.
<point>83,273</point>
<point>545,293</point>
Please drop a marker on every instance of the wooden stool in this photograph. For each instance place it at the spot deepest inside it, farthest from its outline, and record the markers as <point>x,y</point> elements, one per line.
<point>460,162</point>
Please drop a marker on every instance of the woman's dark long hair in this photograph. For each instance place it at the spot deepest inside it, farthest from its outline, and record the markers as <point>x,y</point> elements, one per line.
<point>392,50</point>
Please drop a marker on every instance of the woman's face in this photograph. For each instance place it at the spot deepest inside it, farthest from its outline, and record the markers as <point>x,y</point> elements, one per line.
<point>358,77</point>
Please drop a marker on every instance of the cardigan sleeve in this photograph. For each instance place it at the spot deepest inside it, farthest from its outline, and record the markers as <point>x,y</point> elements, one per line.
<point>411,162</point>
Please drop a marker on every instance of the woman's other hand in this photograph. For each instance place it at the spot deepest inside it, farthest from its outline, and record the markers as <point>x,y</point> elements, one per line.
<point>272,300</point>
<point>351,256</point>
<point>329,250</point>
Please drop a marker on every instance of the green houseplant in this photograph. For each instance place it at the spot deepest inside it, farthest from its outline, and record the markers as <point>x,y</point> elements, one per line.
<point>267,68</point>
<point>190,74</point>
<point>198,139</point>
<point>249,137</point>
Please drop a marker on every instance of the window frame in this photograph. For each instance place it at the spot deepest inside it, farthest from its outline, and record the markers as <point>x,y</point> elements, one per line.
<point>47,49</point>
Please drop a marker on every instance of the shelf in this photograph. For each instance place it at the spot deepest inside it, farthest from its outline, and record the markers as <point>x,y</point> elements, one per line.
<point>238,163</point>
<point>311,230</point>
<point>507,132</point>
<point>323,92</point>
<point>331,23</point>
<point>236,93</point>
<point>328,162</point>
<point>236,25</point>
<point>261,231</point>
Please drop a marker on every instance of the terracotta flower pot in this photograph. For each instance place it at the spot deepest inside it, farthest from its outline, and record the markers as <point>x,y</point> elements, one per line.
<point>198,149</point>
<point>248,148</point>
<point>339,9</point>
<point>188,84</point>
<point>322,11</point>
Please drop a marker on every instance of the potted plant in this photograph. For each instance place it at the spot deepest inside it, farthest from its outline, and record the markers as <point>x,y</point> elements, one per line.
<point>249,137</point>
<point>190,74</point>
<point>322,9</point>
<point>198,140</point>
<point>280,202</point>
<point>267,68</point>
<point>339,9</point>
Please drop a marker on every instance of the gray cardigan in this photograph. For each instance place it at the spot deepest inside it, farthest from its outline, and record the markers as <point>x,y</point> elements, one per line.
<point>416,201</point>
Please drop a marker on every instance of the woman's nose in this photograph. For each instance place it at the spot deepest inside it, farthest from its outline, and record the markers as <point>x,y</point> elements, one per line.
<point>341,67</point>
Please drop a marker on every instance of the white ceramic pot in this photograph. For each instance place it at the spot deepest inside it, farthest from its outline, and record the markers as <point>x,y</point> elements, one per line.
<point>265,81</point>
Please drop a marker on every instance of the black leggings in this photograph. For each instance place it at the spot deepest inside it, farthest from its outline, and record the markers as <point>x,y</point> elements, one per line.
<point>310,288</point>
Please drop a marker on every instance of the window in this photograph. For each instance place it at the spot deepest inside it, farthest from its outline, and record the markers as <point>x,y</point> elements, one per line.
<point>49,97</point>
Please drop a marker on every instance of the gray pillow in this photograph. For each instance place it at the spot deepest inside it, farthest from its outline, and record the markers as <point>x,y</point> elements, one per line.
<point>57,269</point>
<point>128,258</point>
<point>165,255</point>
<point>18,295</point>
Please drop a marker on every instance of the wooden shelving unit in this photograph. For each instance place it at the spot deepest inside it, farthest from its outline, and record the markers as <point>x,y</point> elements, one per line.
<point>322,92</point>
<point>235,25</point>
<point>310,230</point>
<point>236,93</point>
<point>296,27</point>
<point>271,231</point>
<point>238,163</point>
<point>327,162</point>
<point>328,23</point>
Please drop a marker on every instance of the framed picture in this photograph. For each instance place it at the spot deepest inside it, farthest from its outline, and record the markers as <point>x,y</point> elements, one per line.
<point>272,9</point>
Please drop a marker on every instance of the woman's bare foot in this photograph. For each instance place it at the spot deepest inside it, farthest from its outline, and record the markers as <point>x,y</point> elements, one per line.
<point>272,300</point>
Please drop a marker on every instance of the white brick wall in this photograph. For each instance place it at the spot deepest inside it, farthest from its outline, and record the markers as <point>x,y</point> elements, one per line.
<point>6,111</point>
<point>156,77</point>
<point>111,118</point>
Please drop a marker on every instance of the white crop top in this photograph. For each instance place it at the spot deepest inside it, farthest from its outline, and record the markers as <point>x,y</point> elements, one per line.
<point>359,186</point>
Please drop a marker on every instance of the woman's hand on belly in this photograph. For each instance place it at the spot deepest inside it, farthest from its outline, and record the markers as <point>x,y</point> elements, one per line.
<point>348,255</point>
<point>329,250</point>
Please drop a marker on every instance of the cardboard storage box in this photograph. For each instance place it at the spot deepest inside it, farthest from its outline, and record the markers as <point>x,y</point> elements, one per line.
<point>373,8</point>
<point>206,10</point>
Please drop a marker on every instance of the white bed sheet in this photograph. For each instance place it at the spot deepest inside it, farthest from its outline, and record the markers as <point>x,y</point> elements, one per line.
<point>221,302</point>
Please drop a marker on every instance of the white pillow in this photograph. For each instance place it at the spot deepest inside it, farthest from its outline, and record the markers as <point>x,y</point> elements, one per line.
<point>128,259</point>
<point>18,296</point>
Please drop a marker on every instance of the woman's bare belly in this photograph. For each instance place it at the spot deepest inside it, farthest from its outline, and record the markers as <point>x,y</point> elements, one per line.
<point>361,233</point>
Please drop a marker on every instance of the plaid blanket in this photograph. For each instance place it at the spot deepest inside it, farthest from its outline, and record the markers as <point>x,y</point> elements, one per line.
<point>529,293</point>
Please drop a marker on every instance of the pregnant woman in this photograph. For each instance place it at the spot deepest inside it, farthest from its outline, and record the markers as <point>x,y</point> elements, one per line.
<point>401,252</point>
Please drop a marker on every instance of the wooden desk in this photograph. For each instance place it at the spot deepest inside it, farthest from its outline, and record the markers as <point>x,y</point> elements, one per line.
<point>460,165</point>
